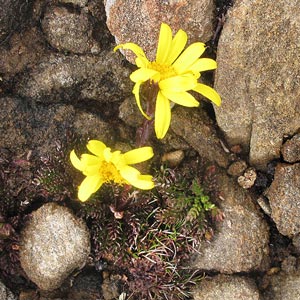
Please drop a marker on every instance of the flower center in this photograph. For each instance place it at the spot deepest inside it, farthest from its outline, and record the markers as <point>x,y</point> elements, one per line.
<point>110,173</point>
<point>165,71</point>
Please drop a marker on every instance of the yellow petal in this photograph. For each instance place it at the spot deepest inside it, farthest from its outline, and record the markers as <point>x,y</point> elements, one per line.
<point>144,182</point>
<point>162,116</point>
<point>138,155</point>
<point>90,160</point>
<point>164,43</point>
<point>129,173</point>
<point>178,83</point>
<point>188,57</point>
<point>76,162</point>
<point>142,75</point>
<point>182,98</point>
<point>177,46</point>
<point>203,64</point>
<point>208,92</point>
<point>136,92</point>
<point>141,60</point>
<point>96,147</point>
<point>89,186</point>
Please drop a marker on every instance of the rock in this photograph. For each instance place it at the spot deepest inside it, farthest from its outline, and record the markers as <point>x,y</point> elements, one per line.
<point>195,127</point>
<point>53,244</point>
<point>24,51</point>
<point>13,14</point>
<point>69,30</point>
<point>139,21</point>
<point>258,76</point>
<point>237,168</point>
<point>264,204</point>
<point>80,3</point>
<point>224,287</point>
<point>241,241</point>
<point>284,198</point>
<point>27,126</point>
<point>5,293</point>
<point>291,149</point>
<point>283,286</point>
<point>247,180</point>
<point>77,79</point>
<point>129,112</point>
<point>174,158</point>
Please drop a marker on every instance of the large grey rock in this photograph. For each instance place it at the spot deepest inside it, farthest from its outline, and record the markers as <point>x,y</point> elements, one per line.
<point>27,126</point>
<point>69,30</point>
<point>53,244</point>
<point>284,198</point>
<point>241,240</point>
<point>197,129</point>
<point>283,286</point>
<point>224,287</point>
<point>139,21</point>
<point>258,76</point>
<point>60,78</point>
<point>5,293</point>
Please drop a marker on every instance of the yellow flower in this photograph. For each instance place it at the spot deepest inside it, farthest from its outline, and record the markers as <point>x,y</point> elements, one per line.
<point>175,72</point>
<point>104,166</point>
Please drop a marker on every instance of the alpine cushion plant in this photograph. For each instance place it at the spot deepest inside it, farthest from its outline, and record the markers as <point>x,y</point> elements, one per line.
<point>175,71</point>
<point>104,166</point>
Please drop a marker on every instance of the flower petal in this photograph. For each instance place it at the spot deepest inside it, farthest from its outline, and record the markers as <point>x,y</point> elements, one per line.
<point>181,98</point>
<point>141,60</point>
<point>76,162</point>
<point>208,92</point>
<point>89,186</point>
<point>203,64</point>
<point>178,83</point>
<point>177,46</point>
<point>138,155</point>
<point>188,57</point>
<point>164,43</point>
<point>142,75</point>
<point>144,182</point>
<point>136,92</point>
<point>162,116</point>
<point>96,147</point>
<point>130,173</point>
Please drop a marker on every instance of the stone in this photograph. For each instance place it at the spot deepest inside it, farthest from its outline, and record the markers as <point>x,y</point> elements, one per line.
<point>240,243</point>
<point>173,159</point>
<point>290,150</point>
<point>13,15</point>
<point>5,293</point>
<point>237,168</point>
<point>258,77</point>
<point>283,286</point>
<point>80,3</point>
<point>247,180</point>
<point>53,244</point>
<point>139,21</point>
<point>89,80</point>
<point>196,128</point>
<point>70,31</point>
<point>222,287</point>
<point>27,126</point>
<point>284,198</point>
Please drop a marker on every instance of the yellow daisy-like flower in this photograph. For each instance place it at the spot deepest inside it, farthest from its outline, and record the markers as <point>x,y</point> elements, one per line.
<point>175,72</point>
<point>104,166</point>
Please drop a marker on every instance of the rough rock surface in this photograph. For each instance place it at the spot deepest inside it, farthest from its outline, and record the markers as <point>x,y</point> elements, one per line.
<point>241,240</point>
<point>224,287</point>
<point>60,78</point>
<point>284,198</point>
<point>69,30</point>
<point>27,126</point>
<point>291,149</point>
<point>283,286</point>
<point>194,126</point>
<point>258,76</point>
<point>5,293</point>
<point>139,21</point>
<point>12,14</point>
<point>80,3</point>
<point>54,243</point>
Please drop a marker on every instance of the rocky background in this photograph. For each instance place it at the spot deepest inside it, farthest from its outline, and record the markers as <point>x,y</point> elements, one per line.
<point>60,78</point>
